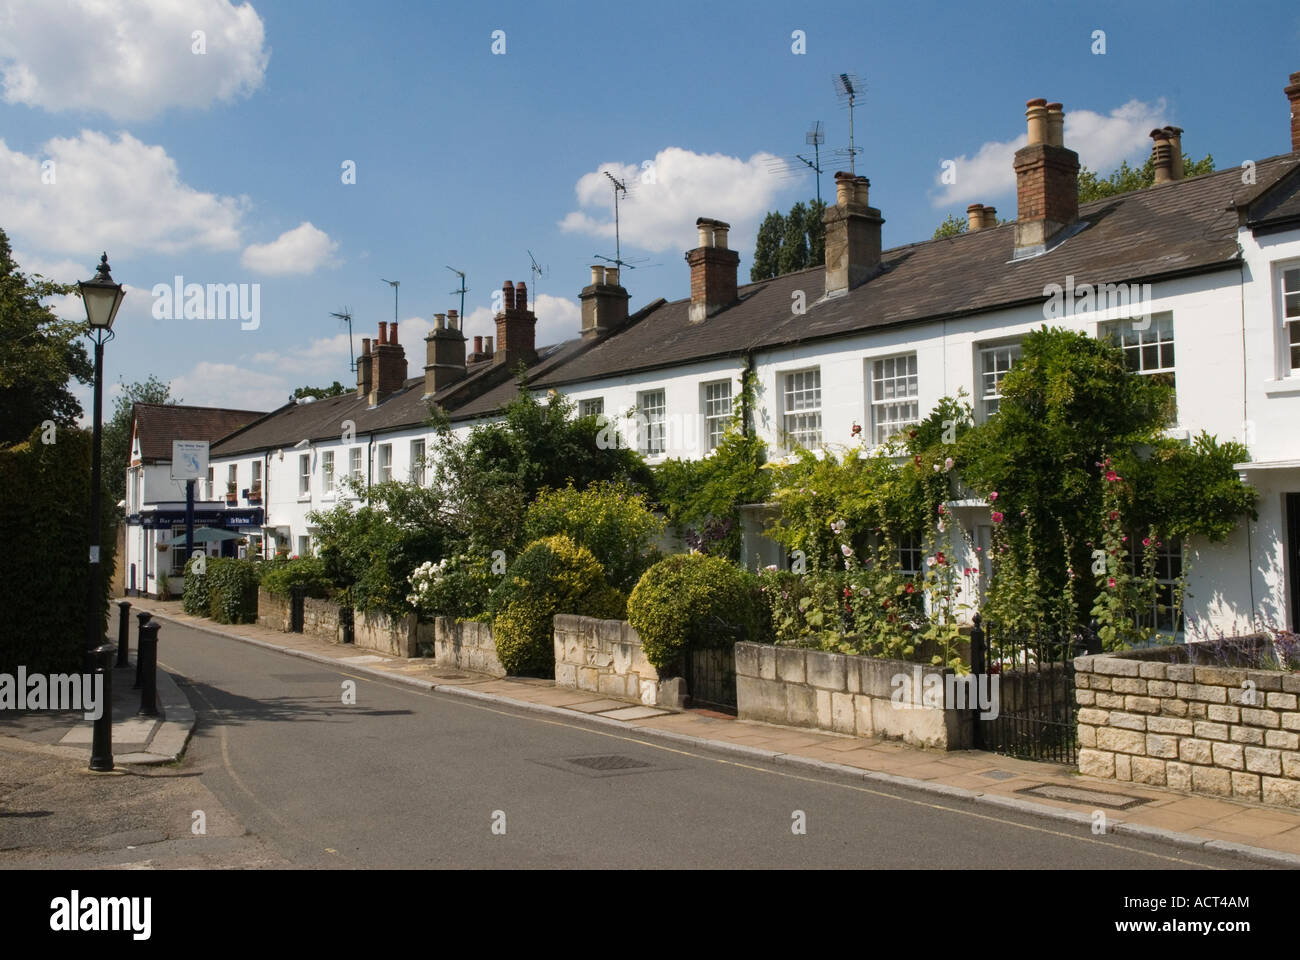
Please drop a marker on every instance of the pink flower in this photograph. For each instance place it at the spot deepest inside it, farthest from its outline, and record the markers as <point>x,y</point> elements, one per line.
<point>1112,476</point>
<point>947,463</point>
<point>1146,541</point>
<point>997,516</point>
<point>1110,581</point>
<point>993,496</point>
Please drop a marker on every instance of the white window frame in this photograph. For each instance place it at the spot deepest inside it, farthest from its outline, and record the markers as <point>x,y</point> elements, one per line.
<point>892,411</point>
<point>304,475</point>
<point>715,405</point>
<point>591,407</point>
<point>652,440</point>
<point>801,409</point>
<point>990,400</point>
<point>327,472</point>
<point>355,465</point>
<point>232,479</point>
<point>417,461</point>
<point>255,486</point>
<point>384,462</point>
<point>910,555</point>
<point>1146,350</point>
<point>1289,320</point>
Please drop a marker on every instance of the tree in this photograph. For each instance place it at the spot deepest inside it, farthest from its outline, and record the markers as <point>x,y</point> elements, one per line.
<point>335,389</point>
<point>40,353</point>
<point>1125,178</point>
<point>952,226</point>
<point>117,431</point>
<point>767,247</point>
<point>789,243</point>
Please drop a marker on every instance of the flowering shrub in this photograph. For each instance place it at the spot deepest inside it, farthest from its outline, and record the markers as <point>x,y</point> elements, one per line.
<point>456,587</point>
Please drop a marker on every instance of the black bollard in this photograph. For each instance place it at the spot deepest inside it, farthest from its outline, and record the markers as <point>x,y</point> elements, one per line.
<point>147,660</point>
<point>123,631</point>
<point>101,744</point>
<point>143,616</point>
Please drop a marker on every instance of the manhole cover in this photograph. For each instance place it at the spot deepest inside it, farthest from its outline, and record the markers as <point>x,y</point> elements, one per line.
<point>610,762</point>
<point>1098,798</point>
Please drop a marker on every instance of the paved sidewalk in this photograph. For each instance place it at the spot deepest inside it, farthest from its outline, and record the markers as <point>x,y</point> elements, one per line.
<point>1051,790</point>
<point>136,740</point>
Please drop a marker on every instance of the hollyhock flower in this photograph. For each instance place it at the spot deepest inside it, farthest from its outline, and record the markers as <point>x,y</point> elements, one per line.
<point>993,496</point>
<point>1124,539</point>
<point>947,463</point>
<point>1146,541</point>
<point>1112,476</point>
<point>940,526</point>
<point>917,459</point>
<point>997,516</point>
<point>910,588</point>
<point>846,550</point>
<point>912,434</point>
<point>940,558</point>
<point>941,510</point>
<point>838,526</point>
<point>1114,515</point>
<point>857,429</point>
<point>771,567</point>
<point>929,561</point>
<point>936,468</point>
<point>1110,581</point>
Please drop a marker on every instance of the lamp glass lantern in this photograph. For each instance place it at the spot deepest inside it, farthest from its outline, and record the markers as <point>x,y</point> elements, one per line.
<point>102,297</point>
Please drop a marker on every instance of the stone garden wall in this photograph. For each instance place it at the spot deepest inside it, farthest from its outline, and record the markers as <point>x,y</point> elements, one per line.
<point>465,645</point>
<point>605,656</point>
<point>320,618</point>
<point>272,611</point>
<point>845,694</point>
<point>1220,731</point>
<point>376,631</point>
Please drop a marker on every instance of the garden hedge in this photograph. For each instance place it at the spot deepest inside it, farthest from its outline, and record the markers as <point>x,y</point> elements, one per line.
<point>44,514</point>
<point>197,598</point>
<point>692,600</point>
<point>232,589</point>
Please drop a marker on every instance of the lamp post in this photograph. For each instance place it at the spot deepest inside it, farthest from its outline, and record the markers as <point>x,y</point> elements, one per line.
<point>101,297</point>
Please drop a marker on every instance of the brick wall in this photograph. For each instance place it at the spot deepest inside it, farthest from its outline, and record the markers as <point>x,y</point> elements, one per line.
<point>845,694</point>
<point>1221,731</point>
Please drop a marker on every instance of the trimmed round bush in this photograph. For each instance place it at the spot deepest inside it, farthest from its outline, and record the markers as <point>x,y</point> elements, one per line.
<point>691,600</point>
<point>553,575</point>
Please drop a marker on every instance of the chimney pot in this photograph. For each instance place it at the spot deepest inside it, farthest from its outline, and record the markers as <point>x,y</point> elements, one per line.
<point>1162,156</point>
<point>487,345</point>
<point>611,276</point>
<point>704,229</point>
<point>383,332</point>
<point>1175,137</point>
<point>990,216</point>
<point>1036,115</point>
<point>521,296</point>
<point>453,319</point>
<point>975,217</point>
<point>365,346</point>
<point>508,295</point>
<point>597,275</point>
<point>1056,124</point>
<point>478,346</point>
<point>439,321</point>
<point>720,230</point>
<point>392,334</point>
<point>844,190</point>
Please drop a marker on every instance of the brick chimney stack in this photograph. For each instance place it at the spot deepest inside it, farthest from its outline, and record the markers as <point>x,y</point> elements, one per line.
<point>1292,92</point>
<point>1047,180</point>
<point>852,236</point>
<point>444,351</point>
<point>516,327</point>
<point>604,303</point>
<point>713,270</point>
<point>388,362</point>
<point>363,370</point>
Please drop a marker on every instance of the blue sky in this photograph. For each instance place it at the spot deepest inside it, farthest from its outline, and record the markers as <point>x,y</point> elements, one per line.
<point>226,166</point>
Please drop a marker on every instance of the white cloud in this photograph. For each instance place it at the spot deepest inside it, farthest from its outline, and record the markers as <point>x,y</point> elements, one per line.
<point>1101,140</point>
<point>558,319</point>
<point>119,195</point>
<point>228,385</point>
<point>300,250</point>
<point>130,59</point>
<point>661,215</point>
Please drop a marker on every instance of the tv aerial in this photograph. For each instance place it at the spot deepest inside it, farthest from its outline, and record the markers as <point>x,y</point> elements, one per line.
<point>848,87</point>
<point>346,317</point>
<point>815,137</point>
<point>462,291</point>
<point>394,284</point>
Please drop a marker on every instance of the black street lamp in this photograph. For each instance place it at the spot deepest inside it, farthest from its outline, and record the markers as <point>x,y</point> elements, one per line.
<point>101,297</point>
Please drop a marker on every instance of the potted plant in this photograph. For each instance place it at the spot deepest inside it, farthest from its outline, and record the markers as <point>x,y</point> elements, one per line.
<point>232,493</point>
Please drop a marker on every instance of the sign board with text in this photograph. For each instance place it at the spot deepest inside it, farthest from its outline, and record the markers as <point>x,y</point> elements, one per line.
<point>189,459</point>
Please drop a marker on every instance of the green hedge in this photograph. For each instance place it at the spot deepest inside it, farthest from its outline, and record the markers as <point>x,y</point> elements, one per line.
<point>691,600</point>
<point>232,589</point>
<point>44,518</point>
<point>280,576</point>
<point>196,600</point>
<point>552,575</point>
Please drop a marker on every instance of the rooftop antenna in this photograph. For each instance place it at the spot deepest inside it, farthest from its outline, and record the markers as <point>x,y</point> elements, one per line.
<point>346,317</point>
<point>617,261</point>
<point>462,291</point>
<point>815,138</point>
<point>538,272</point>
<point>847,85</point>
<point>394,284</point>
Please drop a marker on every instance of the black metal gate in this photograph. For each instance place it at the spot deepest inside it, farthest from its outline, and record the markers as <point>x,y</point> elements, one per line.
<point>710,674</point>
<point>296,597</point>
<point>1036,711</point>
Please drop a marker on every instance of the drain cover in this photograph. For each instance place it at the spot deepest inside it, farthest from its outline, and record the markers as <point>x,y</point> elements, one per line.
<point>609,762</point>
<point>1098,798</point>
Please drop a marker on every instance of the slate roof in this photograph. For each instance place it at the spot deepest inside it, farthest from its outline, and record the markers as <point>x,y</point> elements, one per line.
<point>1280,209</point>
<point>1185,227</point>
<point>158,424</point>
